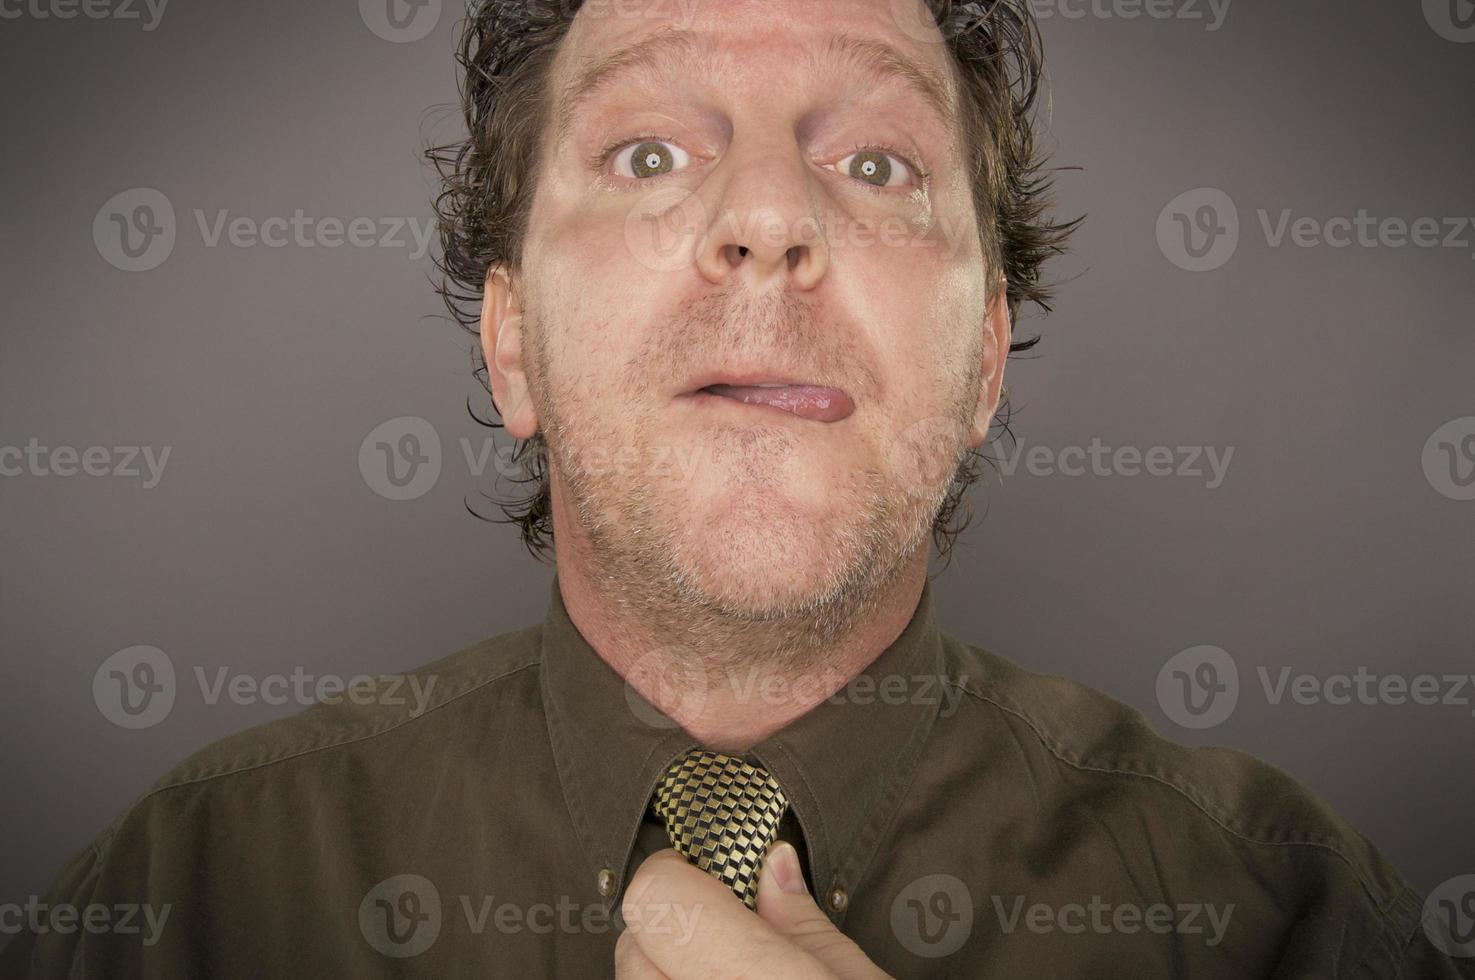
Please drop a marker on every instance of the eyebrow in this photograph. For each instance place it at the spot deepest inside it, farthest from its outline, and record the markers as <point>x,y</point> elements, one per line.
<point>885,60</point>
<point>659,51</point>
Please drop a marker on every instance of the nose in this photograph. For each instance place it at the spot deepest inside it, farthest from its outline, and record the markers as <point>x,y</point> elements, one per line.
<point>766,227</point>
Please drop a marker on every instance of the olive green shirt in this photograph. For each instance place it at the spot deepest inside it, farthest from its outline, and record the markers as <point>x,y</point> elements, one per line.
<point>957,816</point>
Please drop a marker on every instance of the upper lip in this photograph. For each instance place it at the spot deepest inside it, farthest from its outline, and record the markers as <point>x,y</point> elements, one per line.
<point>728,376</point>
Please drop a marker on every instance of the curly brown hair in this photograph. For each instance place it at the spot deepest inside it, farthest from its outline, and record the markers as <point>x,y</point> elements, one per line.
<point>506,52</point>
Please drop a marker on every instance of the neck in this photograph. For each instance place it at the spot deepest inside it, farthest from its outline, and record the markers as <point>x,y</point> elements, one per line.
<point>727,696</point>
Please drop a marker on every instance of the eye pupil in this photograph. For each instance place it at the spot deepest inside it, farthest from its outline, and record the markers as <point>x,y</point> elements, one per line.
<point>652,160</point>
<point>871,166</point>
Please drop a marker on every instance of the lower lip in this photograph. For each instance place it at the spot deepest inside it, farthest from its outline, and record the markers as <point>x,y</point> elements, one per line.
<point>805,401</point>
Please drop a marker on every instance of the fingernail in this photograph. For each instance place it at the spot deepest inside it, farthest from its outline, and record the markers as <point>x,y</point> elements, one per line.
<point>783,860</point>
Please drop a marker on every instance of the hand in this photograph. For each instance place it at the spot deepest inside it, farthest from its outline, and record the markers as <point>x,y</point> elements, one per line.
<point>684,924</point>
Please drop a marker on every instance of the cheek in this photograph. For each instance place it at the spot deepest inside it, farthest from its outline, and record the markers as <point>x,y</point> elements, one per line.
<point>925,316</point>
<point>588,301</point>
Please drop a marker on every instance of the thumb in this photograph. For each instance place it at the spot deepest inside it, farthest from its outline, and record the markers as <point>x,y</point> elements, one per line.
<point>784,903</point>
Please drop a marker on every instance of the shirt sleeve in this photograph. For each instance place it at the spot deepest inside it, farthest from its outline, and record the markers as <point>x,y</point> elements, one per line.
<point>1423,960</point>
<point>49,944</point>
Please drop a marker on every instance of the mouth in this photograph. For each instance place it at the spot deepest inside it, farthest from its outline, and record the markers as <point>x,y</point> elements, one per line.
<point>818,403</point>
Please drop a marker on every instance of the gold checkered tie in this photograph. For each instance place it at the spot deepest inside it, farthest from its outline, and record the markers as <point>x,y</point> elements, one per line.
<point>722,814</point>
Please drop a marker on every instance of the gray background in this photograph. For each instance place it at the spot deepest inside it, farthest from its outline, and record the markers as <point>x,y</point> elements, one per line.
<point>265,549</point>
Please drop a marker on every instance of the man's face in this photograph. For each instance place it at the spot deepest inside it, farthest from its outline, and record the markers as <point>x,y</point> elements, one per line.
<point>762,217</point>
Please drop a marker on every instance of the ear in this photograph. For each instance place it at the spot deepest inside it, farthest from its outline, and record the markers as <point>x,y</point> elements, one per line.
<point>998,332</point>
<point>501,343</point>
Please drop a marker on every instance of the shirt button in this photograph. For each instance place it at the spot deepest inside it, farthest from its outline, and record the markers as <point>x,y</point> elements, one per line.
<point>606,882</point>
<point>837,899</point>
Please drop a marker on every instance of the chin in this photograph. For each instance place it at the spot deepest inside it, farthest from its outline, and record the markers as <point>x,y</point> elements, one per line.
<point>758,592</point>
<point>759,554</point>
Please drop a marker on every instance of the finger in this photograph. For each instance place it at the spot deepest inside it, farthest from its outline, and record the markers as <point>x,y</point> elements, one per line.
<point>692,926</point>
<point>631,963</point>
<point>785,904</point>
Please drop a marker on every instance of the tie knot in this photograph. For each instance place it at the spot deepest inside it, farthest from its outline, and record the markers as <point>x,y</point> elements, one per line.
<point>722,814</point>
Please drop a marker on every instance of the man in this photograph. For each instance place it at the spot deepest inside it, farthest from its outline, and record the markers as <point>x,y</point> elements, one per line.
<point>744,276</point>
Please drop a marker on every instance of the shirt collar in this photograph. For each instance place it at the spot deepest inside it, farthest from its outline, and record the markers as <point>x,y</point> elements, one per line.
<point>845,765</point>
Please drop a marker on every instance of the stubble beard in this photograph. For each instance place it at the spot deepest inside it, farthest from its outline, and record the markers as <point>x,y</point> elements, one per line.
<point>659,575</point>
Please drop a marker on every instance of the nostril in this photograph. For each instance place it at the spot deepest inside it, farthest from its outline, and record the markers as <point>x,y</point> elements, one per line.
<point>743,251</point>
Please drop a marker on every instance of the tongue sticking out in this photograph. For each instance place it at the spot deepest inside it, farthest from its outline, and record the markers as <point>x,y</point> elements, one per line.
<point>806,401</point>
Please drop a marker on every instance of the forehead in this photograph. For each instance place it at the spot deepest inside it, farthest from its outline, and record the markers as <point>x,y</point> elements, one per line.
<point>611,40</point>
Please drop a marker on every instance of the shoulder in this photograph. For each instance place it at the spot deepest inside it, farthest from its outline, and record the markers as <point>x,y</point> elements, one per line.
<point>1227,809</point>
<point>1087,731</point>
<point>351,729</point>
<point>298,806</point>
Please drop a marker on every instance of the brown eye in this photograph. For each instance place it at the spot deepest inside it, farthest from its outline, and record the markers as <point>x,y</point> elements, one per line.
<point>875,167</point>
<point>650,158</point>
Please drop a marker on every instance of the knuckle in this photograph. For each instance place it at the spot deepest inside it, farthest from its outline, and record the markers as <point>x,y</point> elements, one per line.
<point>646,886</point>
